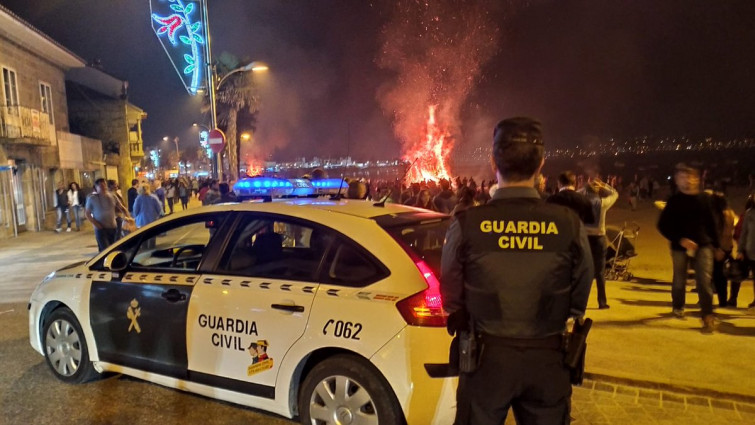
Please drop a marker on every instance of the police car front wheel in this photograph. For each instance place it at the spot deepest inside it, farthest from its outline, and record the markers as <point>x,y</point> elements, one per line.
<point>65,348</point>
<point>347,390</point>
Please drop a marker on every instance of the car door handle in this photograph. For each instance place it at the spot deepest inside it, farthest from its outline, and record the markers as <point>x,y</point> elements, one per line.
<point>288,307</point>
<point>173,295</point>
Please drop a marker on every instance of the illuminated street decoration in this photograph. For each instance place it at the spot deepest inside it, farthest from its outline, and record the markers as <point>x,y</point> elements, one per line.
<point>204,136</point>
<point>173,20</point>
<point>155,157</point>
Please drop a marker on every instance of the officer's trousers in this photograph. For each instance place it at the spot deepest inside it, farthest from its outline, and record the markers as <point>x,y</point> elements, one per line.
<point>532,381</point>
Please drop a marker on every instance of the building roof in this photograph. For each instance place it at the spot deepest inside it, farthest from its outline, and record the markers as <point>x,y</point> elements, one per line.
<point>24,34</point>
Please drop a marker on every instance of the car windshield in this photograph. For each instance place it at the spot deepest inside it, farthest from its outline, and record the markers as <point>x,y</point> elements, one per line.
<point>422,235</point>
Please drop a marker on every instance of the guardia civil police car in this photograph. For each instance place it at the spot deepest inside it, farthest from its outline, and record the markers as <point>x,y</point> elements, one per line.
<point>325,310</point>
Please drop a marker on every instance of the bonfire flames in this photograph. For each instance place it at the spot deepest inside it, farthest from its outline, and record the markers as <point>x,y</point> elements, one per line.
<point>429,158</point>
<point>254,169</point>
<point>436,49</point>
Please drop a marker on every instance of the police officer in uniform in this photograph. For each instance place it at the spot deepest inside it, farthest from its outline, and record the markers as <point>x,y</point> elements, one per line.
<point>516,269</point>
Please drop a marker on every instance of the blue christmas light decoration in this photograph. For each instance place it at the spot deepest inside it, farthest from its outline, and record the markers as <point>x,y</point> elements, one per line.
<point>185,36</point>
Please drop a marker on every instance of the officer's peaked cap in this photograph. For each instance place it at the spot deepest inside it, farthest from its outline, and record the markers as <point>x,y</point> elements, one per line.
<point>518,130</point>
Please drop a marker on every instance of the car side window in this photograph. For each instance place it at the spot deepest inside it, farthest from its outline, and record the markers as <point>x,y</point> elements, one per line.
<point>177,246</point>
<point>352,267</point>
<point>276,248</point>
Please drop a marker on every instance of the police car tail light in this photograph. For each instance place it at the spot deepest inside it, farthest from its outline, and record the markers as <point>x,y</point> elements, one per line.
<point>424,308</point>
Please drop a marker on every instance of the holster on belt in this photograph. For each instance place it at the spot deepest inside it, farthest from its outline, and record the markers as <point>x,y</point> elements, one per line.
<point>470,350</point>
<point>575,347</point>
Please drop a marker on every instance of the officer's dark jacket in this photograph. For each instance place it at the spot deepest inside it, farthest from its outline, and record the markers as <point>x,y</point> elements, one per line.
<point>522,281</point>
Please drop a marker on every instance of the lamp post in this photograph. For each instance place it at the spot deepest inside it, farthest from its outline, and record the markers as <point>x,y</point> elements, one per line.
<point>254,66</point>
<point>178,155</point>
<point>213,87</point>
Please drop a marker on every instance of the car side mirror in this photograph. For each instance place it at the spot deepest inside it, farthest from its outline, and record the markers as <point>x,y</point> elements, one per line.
<point>115,261</point>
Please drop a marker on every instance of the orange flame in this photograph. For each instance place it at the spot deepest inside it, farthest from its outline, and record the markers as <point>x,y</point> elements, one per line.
<point>254,169</point>
<point>430,158</point>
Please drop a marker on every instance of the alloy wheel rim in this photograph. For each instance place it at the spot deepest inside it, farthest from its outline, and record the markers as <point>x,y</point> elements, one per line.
<point>340,400</point>
<point>63,347</point>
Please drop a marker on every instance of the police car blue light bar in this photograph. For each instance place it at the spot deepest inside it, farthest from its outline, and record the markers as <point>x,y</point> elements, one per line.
<point>263,187</point>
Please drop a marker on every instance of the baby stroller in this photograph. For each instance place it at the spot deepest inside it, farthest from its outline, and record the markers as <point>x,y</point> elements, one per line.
<point>621,249</point>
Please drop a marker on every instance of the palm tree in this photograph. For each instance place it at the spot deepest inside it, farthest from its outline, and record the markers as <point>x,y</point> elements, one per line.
<point>235,95</point>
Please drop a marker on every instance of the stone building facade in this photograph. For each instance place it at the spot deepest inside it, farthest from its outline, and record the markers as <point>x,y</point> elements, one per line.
<point>33,109</point>
<point>61,121</point>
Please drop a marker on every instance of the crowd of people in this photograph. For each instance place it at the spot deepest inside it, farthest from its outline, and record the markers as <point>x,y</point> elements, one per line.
<point>725,235</point>
<point>113,216</point>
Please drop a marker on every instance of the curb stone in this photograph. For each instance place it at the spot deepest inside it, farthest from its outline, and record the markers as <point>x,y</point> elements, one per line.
<point>669,393</point>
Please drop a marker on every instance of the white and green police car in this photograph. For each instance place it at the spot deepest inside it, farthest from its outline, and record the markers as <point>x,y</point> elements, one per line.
<point>324,310</point>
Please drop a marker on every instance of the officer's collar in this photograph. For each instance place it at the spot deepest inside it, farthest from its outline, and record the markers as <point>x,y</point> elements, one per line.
<point>516,192</point>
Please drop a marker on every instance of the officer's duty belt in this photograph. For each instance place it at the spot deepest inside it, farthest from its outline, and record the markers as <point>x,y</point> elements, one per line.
<point>553,342</point>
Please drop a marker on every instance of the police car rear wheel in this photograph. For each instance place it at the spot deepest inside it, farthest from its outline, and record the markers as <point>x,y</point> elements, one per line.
<point>65,348</point>
<point>346,390</point>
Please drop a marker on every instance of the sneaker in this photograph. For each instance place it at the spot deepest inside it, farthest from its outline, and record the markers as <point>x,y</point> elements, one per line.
<point>58,230</point>
<point>678,313</point>
<point>732,303</point>
<point>604,307</point>
<point>68,230</point>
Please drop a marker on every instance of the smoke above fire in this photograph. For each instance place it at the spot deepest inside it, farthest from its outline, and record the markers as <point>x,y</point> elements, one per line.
<point>436,49</point>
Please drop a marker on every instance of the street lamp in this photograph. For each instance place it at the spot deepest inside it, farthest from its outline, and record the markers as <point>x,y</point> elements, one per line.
<point>178,155</point>
<point>254,66</point>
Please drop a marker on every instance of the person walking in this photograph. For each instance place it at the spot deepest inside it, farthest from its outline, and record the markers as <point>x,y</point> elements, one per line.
<point>170,194</point>
<point>195,187</point>
<point>61,208</point>
<point>147,207</point>
<point>76,201</point>
<point>132,194</point>
<point>688,223</point>
<point>160,193</point>
<point>100,210</point>
<point>747,242</point>
<point>183,194</point>
<point>725,218</point>
<point>520,313</point>
<point>601,197</point>
<point>115,190</point>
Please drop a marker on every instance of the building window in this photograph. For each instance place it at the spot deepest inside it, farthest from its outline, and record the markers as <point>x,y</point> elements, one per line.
<point>10,88</point>
<point>45,95</point>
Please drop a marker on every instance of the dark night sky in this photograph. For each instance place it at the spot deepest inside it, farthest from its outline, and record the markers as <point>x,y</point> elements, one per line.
<point>584,67</point>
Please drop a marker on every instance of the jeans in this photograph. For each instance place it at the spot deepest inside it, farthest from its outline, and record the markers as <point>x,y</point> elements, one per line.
<point>104,237</point>
<point>598,247</point>
<point>62,211</point>
<point>170,205</point>
<point>703,275</point>
<point>76,212</point>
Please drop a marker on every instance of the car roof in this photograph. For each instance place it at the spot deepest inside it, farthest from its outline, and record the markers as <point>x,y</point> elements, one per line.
<point>353,207</point>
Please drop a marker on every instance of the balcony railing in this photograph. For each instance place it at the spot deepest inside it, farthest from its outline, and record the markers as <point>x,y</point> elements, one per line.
<point>20,122</point>
<point>135,149</point>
